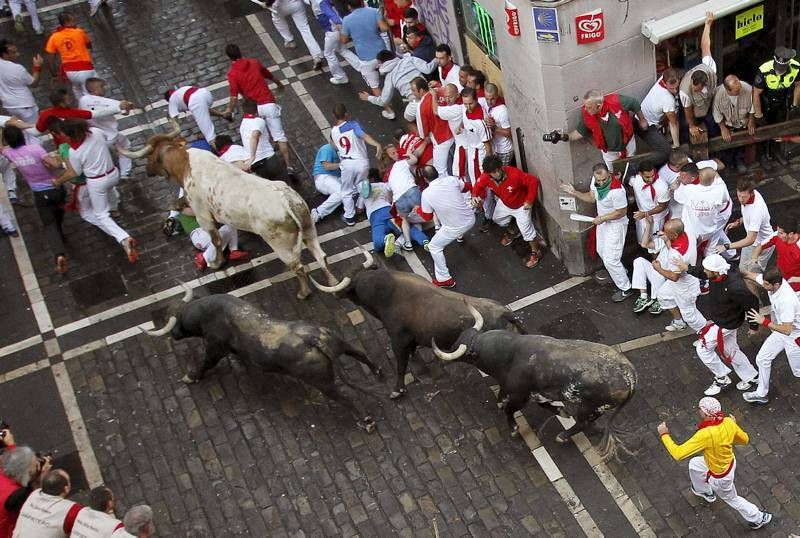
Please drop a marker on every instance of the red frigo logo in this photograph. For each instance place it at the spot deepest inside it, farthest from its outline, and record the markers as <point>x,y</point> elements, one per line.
<point>512,19</point>
<point>590,27</point>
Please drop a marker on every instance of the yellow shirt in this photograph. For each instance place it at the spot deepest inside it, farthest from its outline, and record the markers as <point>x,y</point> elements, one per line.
<point>716,443</point>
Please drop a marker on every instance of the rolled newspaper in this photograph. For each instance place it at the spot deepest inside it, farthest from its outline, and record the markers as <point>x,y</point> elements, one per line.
<point>581,218</point>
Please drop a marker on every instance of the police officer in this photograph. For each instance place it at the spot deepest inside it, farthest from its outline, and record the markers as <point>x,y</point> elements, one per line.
<point>775,89</point>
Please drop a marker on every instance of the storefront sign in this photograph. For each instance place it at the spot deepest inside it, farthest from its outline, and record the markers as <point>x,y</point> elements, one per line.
<point>512,19</point>
<point>750,21</point>
<point>590,27</point>
<point>545,23</point>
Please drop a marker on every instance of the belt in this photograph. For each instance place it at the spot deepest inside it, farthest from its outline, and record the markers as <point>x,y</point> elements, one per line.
<point>188,95</point>
<point>103,174</point>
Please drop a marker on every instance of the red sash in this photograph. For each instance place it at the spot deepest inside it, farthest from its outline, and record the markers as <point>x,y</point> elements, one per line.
<point>720,342</point>
<point>188,95</point>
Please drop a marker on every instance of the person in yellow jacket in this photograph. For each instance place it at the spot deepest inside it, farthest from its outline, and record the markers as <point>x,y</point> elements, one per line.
<point>712,473</point>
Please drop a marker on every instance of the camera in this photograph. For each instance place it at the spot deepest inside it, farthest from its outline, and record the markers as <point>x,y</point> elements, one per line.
<point>554,136</point>
<point>42,458</point>
<point>3,427</point>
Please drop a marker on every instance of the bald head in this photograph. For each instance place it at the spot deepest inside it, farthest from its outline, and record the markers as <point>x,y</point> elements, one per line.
<point>733,85</point>
<point>707,176</point>
<point>673,228</point>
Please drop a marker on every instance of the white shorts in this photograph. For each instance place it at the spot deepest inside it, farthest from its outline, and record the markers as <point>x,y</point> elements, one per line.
<point>271,113</point>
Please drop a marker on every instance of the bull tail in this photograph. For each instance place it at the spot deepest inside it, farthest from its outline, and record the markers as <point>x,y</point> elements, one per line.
<point>298,222</point>
<point>347,349</point>
<point>614,437</point>
<point>515,322</point>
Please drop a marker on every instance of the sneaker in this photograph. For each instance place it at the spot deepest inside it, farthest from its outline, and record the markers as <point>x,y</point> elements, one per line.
<point>752,397</point>
<point>19,24</point>
<point>408,247</point>
<point>350,221</point>
<point>449,283</point>
<point>655,308</point>
<point>708,497</point>
<point>642,302</point>
<point>61,264</point>
<point>388,115</point>
<point>620,295</point>
<point>290,45</point>
<point>314,216</point>
<point>11,233</point>
<point>460,239</point>
<point>509,238</point>
<point>388,245</point>
<point>12,197</point>
<point>291,174</point>
<point>317,64</point>
<point>766,517</point>
<point>717,386</point>
<point>676,325</point>
<point>744,385</point>
<point>338,81</point>
<point>238,256</point>
<point>129,246</point>
<point>39,31</point>
<point>200,262</point>
<point>426,244</point>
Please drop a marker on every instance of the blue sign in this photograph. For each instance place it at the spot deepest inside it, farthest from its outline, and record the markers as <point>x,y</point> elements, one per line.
<point>545,22</point>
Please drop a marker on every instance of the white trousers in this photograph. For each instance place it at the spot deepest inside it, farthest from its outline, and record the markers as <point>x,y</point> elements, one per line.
<point>16,9</point>
<point>443,237</point>
<point>5,220</point>
<point>718,237</point>
<point>332,46</point>
<point>297,11</point>
<point>724,488</point>
<point>683,295</point>
<point>475,162</point>
<point>643,273</point>
<point>771,348</point>
<point>354,171</point>
<point>271,112</point>
<point>201,240</point>
<point>707,351</point>
<point>331,186</point>
<point>78,80</point>
<point>502,216</point>
<point>610,156</point>
<point>104,198</point>
<point>29,114</point>
<point>610,243</point>
<point>199,104</point>
<point>441,153</point>
<point>9,177</point>
<point>658,224</point>
<point>125,164</point>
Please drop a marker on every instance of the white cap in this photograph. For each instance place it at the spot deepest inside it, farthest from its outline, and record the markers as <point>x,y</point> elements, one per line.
<point>717,264</point>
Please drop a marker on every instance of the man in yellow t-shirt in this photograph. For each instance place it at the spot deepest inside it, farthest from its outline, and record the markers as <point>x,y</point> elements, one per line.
<point>72,44</point>
<point>712,473</point>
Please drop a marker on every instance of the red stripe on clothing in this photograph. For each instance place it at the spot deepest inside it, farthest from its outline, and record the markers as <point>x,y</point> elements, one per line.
<point>69,520</point>
<point>188,95</point>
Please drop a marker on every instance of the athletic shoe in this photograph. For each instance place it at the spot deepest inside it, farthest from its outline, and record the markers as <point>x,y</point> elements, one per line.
<point>408,247</point>
<point>350,221</point>
<point>509,238</point>
<point>5,11</point>
<point>460,239</point>
<point>338,81</point>
<point>766,517</point>
<point>314,216</point>
<point>238,256</point>
<point>317,64</point>
<point>12,197</point>
<point>752,397</point>
<point>129,246</point>
<point>449,283</point>
<point>708,497</point>
<point>39,31</point>
<point>717,386</point>
<point>388,115</point>
<point>388,245</point>
<point>676,325</point>
<point>744,385</point>
<point>200,261</point>
<point>61,264</point>
<point>426,244</point>
<point>290,45</point>
<point>655,308</point>
<point>642,302</point>
<point>620,295</point>
<point>19,25</point>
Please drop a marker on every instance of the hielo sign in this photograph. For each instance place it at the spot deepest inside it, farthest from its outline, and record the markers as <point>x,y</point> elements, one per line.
<point>590,27</point>
<point>750,21</point>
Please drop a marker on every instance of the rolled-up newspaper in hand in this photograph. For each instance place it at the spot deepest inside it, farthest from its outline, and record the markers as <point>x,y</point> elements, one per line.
<point>580,218</point>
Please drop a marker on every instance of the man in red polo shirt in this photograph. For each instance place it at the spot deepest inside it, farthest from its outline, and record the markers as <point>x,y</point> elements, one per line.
<point>248,77</point>
<point>787,248</point>
<point>516,192</point>
<point>64,108</point>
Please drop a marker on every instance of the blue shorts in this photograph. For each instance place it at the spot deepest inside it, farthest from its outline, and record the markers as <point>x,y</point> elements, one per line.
<point>410,199</point>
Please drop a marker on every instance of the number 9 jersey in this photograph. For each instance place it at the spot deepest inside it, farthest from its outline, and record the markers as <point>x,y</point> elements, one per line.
<point>348,138</point>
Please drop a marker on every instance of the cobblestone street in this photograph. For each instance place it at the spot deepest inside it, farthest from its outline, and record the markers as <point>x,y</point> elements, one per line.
<point>245,453</point>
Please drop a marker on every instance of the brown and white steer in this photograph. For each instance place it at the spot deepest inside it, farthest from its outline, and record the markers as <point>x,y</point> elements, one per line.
<point>220,193</point>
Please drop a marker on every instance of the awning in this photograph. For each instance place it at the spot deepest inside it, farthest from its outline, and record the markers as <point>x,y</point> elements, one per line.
<point>677,23</point>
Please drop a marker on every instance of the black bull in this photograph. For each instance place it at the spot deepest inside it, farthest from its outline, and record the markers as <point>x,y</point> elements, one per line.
<point>413,311</point>
<point>588,378</point>
<point>305,351</point>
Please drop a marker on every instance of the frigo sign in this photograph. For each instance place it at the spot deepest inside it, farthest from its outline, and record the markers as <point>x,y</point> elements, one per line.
<point>750,21</point>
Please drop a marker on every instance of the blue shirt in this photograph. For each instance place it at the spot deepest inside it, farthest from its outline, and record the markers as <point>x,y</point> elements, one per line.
<point>328,154</point>
<point>328,16</point>
<point>361,25</point>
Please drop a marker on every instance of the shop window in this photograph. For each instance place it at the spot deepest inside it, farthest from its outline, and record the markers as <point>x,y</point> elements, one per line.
<point>480,27</point>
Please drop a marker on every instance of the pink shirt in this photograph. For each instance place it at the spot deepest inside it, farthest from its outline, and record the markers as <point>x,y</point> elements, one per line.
<point>28,160</point>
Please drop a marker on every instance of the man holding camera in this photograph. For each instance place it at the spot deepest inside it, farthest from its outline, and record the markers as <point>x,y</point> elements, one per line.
<point>22,472</point>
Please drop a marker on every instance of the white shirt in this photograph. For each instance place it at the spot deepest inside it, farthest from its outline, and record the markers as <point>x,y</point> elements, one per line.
<point>444,197</point>
<point>176,104</point>
<point>94,524</point>
<point>348,139</point>
<point>453,114</point>
<point>657,103</point>
<point>43,515</point>
<point>400,178</point>
<point>501,144</point>
<point>264,148</point>
<point>615,199</point>
<point>686,100</point>
<point>235,153</point>
<point>92,158</point>
<point>644,196</point>
<point>785,306</point>
<point>755,218</point>
<point>475,132</point>
<point>701,207</point>
<point>452,77</point>
<point>666,253</point>
<point>378,198</point>
<point>15,81</point>
<point>105,108</point>
<point>410,112</point>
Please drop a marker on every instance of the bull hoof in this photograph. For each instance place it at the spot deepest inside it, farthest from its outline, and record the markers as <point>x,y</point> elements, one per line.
<point>303,295</point>
<point>188,380</point>
<point>397,394</point>
<point>368,425</point>
<point>562,437</point>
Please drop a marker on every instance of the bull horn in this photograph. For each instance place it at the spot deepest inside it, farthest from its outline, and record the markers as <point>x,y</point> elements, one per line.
<point>477,315</point>
<point>188,295</point>
<point>331,289</point>
<point>138,154</point>
<point>455,355</point>
<point>175,128</point>
<point>166,328</point>
<point>369,260</point>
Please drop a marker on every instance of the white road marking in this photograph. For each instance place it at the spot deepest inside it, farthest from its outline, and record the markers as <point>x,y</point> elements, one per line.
<point>19,346</point>
<point>416,265</point>
<point>547,292</point>
<point>54,7</point>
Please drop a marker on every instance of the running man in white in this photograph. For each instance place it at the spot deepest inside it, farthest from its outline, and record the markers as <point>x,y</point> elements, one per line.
<point>96,101</point>
<point>652,200</point>
<point>452,111</point>
<point>198,102</point>
<point>282,10</point>
<point>756,220</point>
<point>785,331</point>
<point>444,197</point>
<point>331,23</point>
<point>327,180</point>
<point>350,142</point>
<point>16,14</point>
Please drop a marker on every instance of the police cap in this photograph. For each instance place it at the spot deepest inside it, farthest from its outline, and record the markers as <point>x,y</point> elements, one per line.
<point>783,55</point>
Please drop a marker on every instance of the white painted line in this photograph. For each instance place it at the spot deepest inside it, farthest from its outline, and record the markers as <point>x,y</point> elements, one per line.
<point>416,265</point>
<point>547,292</point>
<point>79,434</point>
<point>274,52</point>
<point>24,370</point>
<point>316,114</point>
<point>82,350</point>
<point>19,346</point>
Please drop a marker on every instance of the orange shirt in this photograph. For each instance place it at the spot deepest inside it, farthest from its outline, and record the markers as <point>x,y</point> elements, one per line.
<point>72,44</point>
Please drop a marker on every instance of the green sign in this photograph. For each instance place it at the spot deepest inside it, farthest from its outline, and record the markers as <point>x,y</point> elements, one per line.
<point>485,28</point>
<point>750,21</point>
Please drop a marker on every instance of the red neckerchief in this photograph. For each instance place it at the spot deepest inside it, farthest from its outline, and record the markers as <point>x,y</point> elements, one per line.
<point>224,149</point>
<point>476,114</point>
<point>720,278</point>
<point>497,102</point>
<point>650,186</point>
<point>249,116</point>
<point>446,70</point>
<point>662,84</point>
<point>751,199</point>
<point>75,145</point>
<point>615,184</point>
<point>695,181</point>
<point>459,101</point>
<point>681,243</point>
<point>480,93</point>
<point>170,92</point>
<point>715,420</point>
